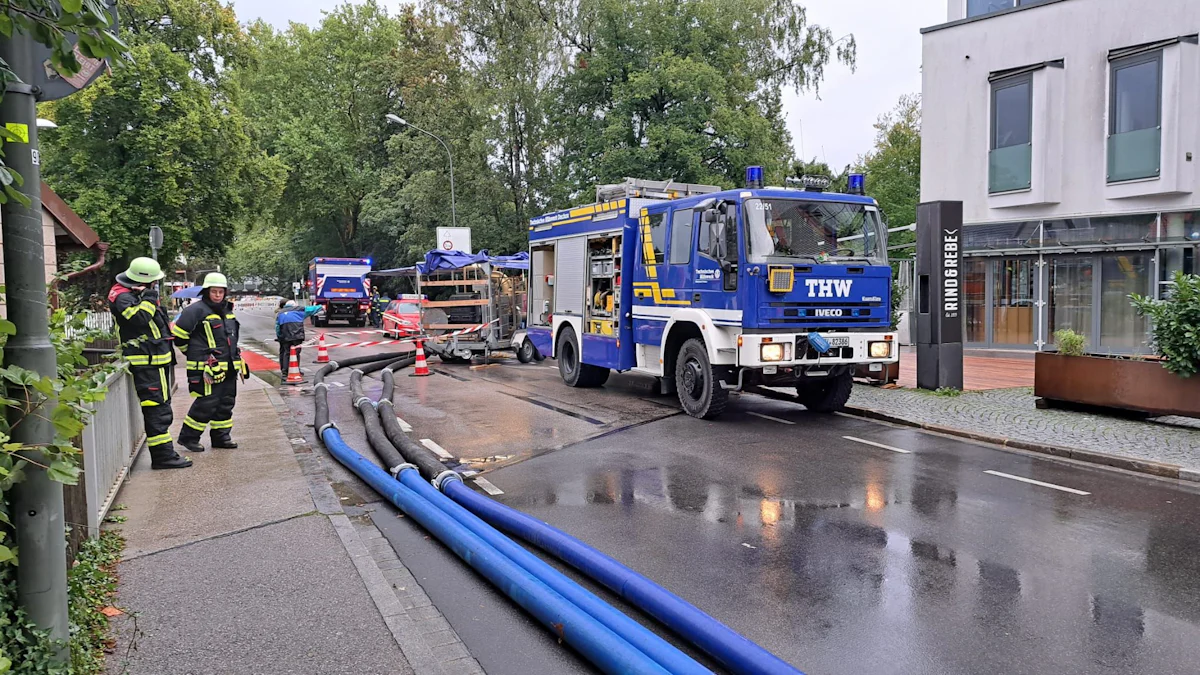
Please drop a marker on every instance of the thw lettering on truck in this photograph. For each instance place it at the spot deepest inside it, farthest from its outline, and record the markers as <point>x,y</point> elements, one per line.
<point>829,288</point>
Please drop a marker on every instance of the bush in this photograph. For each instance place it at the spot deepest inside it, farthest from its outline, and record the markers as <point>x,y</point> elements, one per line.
<point>1175,322</point>
<point>1069,342</point>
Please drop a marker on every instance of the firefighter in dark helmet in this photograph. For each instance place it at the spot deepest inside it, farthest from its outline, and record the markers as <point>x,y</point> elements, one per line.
<point>146,345</point>
<point>207,334</point>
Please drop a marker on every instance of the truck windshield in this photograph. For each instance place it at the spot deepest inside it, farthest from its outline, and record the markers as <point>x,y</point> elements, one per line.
<point>351,270</point>
<point>815,231</point>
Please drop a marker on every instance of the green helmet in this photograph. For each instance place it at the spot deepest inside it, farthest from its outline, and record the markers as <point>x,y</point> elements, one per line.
<point>144,271</point>
<point>215,279</point>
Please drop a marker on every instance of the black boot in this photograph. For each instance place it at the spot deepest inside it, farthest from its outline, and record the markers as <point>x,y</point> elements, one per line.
<point>223,442</point>
<point>165,457</point>
<point>191,443</point>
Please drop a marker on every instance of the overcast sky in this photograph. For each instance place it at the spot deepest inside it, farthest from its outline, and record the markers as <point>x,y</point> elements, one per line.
<point>837,127</point>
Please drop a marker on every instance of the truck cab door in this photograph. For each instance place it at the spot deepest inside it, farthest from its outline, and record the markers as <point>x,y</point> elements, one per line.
<point>715,282</point>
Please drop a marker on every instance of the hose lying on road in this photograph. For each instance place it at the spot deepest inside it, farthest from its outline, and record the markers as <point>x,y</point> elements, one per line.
<point>658,649</point>
<point>730,649</point>
<point>594,641</point>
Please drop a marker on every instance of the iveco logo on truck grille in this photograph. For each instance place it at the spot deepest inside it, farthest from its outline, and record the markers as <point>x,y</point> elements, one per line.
<point>828,288</point>
<point>827,312</point>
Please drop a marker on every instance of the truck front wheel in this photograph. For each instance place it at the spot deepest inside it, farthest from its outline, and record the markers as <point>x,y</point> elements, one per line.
<point>574,371</point>
<point>700,392</point>
<point>826,396</point>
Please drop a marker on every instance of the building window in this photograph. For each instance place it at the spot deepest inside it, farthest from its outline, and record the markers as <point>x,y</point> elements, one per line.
<point>981,7</point>
<point>681,237</point>
<point>1011,156</point>
<point>1135,117</point>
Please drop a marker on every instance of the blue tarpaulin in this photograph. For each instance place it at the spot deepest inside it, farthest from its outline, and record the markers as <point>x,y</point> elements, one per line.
<point>447,261</point>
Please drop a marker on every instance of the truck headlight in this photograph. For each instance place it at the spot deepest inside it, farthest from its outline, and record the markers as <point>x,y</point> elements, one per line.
<point>879,350</point>
<point>771,352</point>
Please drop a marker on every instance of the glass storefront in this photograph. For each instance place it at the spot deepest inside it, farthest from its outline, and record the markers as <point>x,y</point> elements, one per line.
<point>1025,280</point>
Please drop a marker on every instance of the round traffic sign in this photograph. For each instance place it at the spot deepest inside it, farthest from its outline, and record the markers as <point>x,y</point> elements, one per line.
<point>448,245</point>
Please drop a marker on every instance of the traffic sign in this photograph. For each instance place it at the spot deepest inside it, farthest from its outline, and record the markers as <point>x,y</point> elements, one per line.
<point>51,85</point>
<point>454,239</point>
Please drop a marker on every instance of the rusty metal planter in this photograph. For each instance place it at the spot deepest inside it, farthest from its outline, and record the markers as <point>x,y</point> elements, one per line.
<point>1126,384</point>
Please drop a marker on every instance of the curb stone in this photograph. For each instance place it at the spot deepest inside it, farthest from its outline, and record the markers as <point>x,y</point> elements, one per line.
<point>1160,469</point>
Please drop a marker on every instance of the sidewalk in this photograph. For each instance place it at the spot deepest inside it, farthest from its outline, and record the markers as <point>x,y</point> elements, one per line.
<point>1167,447</point>
<point>240,564</point>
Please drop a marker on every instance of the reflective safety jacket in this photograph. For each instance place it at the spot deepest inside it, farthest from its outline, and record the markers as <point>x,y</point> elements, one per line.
<point>142,326</point>
<point>208,338</point>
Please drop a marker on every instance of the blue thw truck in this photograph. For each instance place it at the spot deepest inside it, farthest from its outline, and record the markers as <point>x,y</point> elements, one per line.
<point>713,291</point>
<point>341,287</point>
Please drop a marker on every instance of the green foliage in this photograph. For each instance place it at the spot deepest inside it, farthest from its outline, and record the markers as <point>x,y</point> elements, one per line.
<point>1175,322</point>
<point>91,586</point>
<point>947,392</point>
<point>52,24</point>
<point>897,300</point>
<point>265,253</point>
<point>1069,342</point>
<point>62,401</point>
<point>893,167</point>
<point>839,180</point>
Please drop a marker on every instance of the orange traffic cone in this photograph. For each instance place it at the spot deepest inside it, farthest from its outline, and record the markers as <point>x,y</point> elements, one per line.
<point>294,376</point>
<point>322,351</point>
<point>422,368</point>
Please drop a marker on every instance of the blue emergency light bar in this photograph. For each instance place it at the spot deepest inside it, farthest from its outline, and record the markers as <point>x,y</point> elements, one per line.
<point>857,184</point>
<point>754,177</point>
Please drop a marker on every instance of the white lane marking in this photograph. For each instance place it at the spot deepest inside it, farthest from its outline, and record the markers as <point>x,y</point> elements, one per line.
<point>1031,481</point>
<point>404,426</point>
<point>488,487</point>
<point>768,417</point>
<point>439,450</point>
<point>878,445</point>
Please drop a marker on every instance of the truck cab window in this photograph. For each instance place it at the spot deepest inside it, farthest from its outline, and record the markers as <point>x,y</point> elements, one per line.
<point>681,237</point>
<point>658,237</point>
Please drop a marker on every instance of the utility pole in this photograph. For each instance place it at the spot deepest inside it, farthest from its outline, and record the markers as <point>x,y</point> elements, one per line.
<point>37,502</point>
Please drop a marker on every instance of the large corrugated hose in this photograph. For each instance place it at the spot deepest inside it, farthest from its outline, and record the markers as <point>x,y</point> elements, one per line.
<point>604,648</point>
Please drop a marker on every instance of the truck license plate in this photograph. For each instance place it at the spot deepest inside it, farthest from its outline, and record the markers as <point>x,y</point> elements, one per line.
<point>838,341</point>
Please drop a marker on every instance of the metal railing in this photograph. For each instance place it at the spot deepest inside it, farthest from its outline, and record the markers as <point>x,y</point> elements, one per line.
<point>111,441</point>
<point>94,321</point>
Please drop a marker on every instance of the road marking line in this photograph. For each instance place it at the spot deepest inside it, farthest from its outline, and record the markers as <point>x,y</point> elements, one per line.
<point>404,426</point>
<point>877,445</point>
<point>1031,481</point>
<point>768,417</point>
<point>488,487</point>
<point>439,450</point>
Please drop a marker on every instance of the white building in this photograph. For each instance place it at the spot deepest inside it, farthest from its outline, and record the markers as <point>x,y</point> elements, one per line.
<point>1070,130</point>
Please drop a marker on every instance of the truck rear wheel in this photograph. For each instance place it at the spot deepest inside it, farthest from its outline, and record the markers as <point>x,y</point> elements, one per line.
<point>826,396</point>
<point>573,371</point>
<point>526,351</point>
<point>700,392</point>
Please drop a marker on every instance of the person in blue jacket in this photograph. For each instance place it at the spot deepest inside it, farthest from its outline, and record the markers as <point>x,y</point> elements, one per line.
<point>289,330</point>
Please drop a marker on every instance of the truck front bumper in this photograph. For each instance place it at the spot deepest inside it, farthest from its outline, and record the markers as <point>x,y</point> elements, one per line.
<point>791,349</point>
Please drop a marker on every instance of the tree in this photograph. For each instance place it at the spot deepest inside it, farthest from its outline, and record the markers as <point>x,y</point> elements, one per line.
<point>162,141</point>
<point>265,253</point>
<point>683,91</point>
<point>893,167</point>
<point>839,180</point>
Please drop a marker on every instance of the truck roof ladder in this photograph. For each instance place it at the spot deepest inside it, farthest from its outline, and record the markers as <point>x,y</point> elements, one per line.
<point>640,188</point>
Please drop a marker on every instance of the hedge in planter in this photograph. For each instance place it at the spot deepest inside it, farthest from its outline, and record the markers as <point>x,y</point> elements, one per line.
<point>1175,323</point>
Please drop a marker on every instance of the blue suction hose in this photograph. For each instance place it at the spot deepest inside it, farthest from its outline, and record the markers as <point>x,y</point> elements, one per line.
<point>596,643</point>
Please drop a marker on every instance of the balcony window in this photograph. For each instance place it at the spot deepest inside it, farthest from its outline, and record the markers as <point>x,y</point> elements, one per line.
<point>981,7</point>
<point>1011,155</point>
<point>1135,117</point>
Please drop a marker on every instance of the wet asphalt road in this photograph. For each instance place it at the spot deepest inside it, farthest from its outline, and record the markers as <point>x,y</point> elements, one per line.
<point>838,555</point>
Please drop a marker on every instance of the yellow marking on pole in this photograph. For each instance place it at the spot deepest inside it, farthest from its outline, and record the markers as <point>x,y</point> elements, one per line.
<point>21,131</point>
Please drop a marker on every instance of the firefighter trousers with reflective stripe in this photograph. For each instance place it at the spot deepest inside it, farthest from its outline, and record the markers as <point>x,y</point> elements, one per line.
<point>152,384</point>
<point>214,411</point>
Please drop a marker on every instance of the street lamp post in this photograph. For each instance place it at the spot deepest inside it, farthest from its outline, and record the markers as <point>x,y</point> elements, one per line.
<point>399,120</point>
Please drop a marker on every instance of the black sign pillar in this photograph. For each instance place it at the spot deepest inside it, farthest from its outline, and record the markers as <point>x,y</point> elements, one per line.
<point>941,301</point>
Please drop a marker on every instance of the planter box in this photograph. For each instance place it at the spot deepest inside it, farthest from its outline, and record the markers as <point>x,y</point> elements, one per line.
<point>1142,386</point>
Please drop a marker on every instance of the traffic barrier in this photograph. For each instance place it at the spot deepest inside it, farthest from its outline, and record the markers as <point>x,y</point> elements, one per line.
<point>422,368</point>
<point>294,376</point>
<point>322,351</point>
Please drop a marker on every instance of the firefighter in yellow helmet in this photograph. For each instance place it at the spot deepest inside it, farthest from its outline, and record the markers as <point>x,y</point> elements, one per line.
<point>146,345</point>
<point>207,334</point>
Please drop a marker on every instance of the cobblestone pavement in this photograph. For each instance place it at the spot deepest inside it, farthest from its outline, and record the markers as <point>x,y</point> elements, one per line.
<point>1010,413</point>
